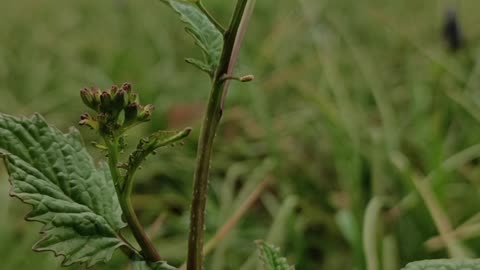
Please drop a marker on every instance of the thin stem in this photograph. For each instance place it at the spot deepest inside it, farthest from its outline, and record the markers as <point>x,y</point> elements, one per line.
<point>210,17</point>
<point>210,123</point>
<point>148,250</point>
<point>112,148</point>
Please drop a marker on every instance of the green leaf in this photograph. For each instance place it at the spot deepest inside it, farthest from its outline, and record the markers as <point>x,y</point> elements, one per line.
<point>200,65</point>
<point>271,257</point>
<point>54,173</point>
<point>142,265</point>
<point>203,31</point>
<point>148,145</point>
<point>167,137</point>
<point>445,264</point>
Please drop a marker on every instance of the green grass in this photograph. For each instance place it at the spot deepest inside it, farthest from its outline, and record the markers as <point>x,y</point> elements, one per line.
<point>353,100</point>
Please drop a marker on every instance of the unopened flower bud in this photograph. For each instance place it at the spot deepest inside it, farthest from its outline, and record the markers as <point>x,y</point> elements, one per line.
<point>88,98</point>
<point>85,116</point>
<point>106,101</point>
<point>120,101</point>
<point>247,78</point>
<point>146,114</point>
<point>96,94</point>
<point>86,120</point>
<point>127,87</point>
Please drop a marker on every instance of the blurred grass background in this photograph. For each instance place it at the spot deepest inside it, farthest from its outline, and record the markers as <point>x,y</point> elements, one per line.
<point>355,104</point>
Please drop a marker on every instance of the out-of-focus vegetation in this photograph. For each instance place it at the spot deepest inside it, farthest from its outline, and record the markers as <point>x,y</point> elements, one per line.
<point>367,126</point>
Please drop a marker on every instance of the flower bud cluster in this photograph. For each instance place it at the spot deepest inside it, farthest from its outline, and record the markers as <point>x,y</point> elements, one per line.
<point>117,109</point>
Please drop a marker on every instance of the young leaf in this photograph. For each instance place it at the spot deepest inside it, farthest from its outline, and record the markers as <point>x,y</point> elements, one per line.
<point>151,143</point>
<point>271,257</point>
<point>53,173</point>
<point>200,65</point>
<point>444,264</point>
<point>203,31</point>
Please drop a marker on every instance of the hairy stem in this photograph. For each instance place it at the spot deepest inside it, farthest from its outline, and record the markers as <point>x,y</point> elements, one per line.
<point>209,127</point>
<point>148,250</point>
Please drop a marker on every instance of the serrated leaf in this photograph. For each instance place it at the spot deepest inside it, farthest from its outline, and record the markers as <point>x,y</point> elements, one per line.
<point>54,173</point>
<point>203,31</point>
<point>445,264</point>
<point>271,257</point>
<point>142,265</point>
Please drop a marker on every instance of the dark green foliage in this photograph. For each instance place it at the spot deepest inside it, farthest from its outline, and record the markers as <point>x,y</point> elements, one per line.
<point>54,173</point>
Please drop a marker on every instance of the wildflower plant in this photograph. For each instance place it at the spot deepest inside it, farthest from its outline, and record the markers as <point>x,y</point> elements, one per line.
<point>86,207</point>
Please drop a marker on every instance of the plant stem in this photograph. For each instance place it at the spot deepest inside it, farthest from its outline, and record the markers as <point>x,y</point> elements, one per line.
<point>148,250</point>
<point>209,127</point>
<point>234,219</point>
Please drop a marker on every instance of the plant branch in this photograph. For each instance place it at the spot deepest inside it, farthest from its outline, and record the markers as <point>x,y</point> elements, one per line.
<point>210,123</point>
<point>148,250</point>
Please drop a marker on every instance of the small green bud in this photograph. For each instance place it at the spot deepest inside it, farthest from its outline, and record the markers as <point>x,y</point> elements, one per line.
<point>247,78</point>
<point>133,98</point>
<point>146,113</point>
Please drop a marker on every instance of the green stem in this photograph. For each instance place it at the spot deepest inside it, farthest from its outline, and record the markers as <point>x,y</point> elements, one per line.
<point>148,250</point>
<point>209,127</point>
<point>112,148</point>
